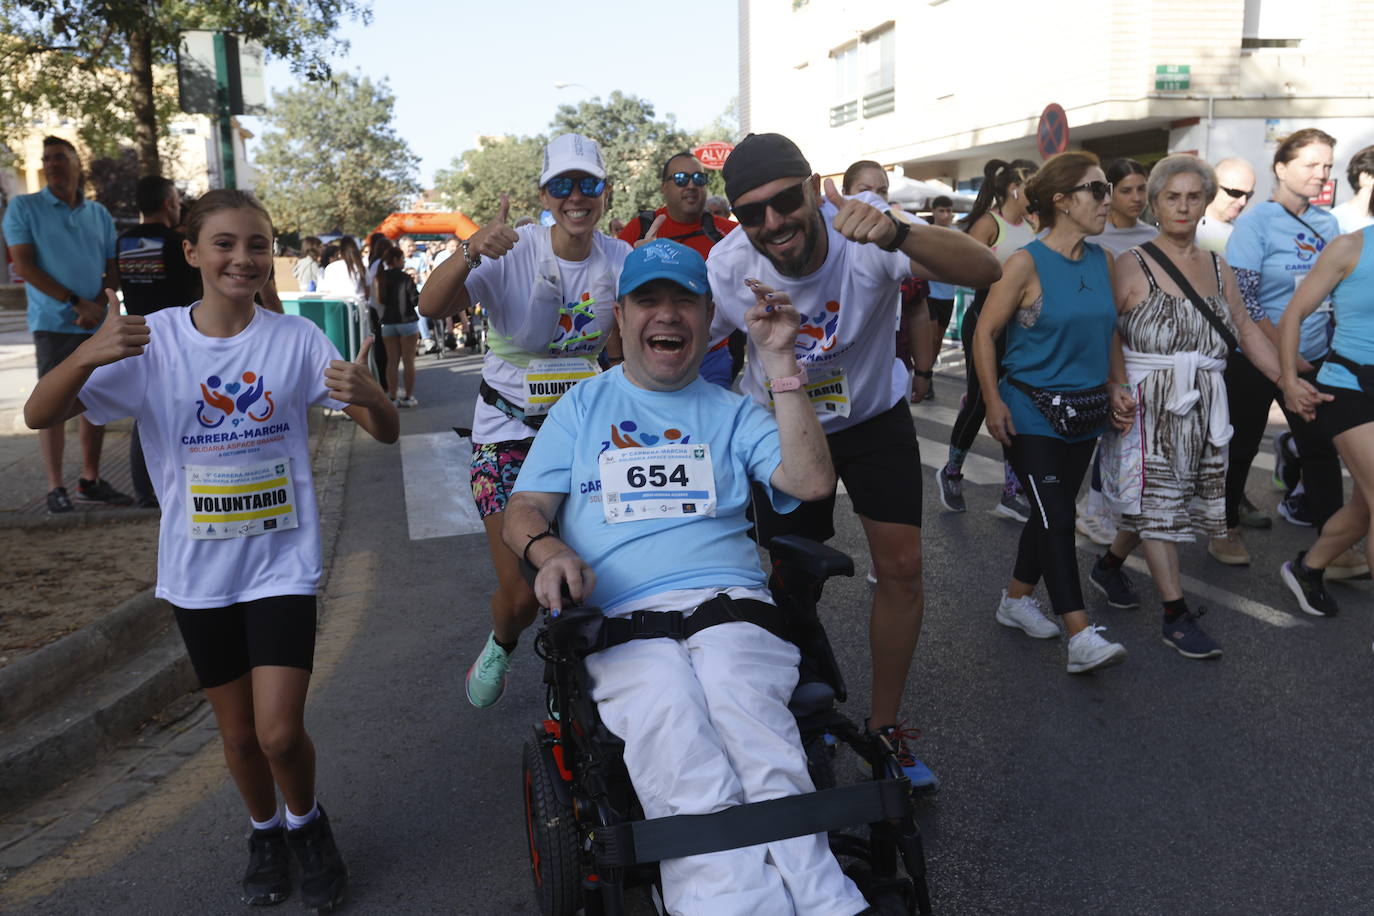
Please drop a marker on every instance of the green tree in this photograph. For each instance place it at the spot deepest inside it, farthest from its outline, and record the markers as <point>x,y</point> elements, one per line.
<point>475,181</point>
<point>331,158</point>
<point>106,63</point>
<point>633,142</point>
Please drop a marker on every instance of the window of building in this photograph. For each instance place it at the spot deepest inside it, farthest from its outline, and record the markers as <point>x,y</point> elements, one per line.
<point>865,77</point>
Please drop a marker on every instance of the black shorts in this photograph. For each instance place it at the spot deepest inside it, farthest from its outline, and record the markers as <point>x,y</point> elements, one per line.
<point>51,347</point>
<point>225,643</point>
<point>879,462</point>
<point>941,310</point>
<point>1351,408</point>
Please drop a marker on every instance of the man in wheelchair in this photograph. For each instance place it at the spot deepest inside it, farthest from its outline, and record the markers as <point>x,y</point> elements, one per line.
<point>646,472</point>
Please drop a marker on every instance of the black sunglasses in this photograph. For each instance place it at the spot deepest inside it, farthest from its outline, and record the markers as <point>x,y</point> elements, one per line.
<point>785,201</point>
<point>1100,190</point>
<point>681,179</point>
<point>561,187</point>
<point>1237,193</point>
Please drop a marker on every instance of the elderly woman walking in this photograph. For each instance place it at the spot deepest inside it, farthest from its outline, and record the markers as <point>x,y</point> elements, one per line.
<point>1181,314</point>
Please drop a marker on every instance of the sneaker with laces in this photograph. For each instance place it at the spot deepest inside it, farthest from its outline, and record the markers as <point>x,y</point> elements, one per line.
<point>1351,563</point>
<point>486,679</point>
<point>59,501</point>
<point>1025,614</point>
<point>1293,508</point>
<point>1287,469</point>
<point>1229,549</point>
<point>951,490</point>
<point>1014,506</point>
<point>1114,584</point>
<point>895,737</point>
<point>1187,637</point>
<point>324,876</point>
<point>1088,651</point>
<point>100,491</point>
<point>1097,526</point>
<point>1309,588</point>
<point>1251,517</point>
<point>268,879</point>
<point>406,400</point>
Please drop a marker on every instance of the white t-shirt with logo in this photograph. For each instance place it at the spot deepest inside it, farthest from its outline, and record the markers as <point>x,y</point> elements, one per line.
<point>849,308</point>
<point>503,287</point>
<point>223,402</point>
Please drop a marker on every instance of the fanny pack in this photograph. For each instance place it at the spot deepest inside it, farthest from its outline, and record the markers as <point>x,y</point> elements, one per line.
<point>493,397</point>
<point>1072,414</point>
<point>1363,374</point>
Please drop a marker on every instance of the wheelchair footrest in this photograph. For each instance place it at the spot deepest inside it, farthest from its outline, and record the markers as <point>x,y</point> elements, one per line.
<point>638,842</point>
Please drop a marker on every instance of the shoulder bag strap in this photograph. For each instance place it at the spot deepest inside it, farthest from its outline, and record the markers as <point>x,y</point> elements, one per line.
<point>1305,224</point>
<point>1176,275</point>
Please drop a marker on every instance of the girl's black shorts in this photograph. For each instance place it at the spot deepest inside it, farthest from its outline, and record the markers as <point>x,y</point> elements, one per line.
<point>225,643</point>
<point>1351,408</point>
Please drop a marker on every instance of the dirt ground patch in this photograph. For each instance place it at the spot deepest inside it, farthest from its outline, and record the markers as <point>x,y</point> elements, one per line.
<point>60,579</point>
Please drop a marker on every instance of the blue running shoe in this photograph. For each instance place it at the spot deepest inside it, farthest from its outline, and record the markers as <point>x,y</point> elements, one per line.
<point>896,738</point>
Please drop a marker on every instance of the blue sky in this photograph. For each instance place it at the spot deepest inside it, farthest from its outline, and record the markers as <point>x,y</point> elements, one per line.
<point>463,69</point>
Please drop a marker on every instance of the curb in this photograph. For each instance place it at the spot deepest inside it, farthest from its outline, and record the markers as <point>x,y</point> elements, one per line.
<point>77,518</point>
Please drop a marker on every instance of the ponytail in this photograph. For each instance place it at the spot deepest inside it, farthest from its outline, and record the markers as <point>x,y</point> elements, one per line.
<point>998,177</point>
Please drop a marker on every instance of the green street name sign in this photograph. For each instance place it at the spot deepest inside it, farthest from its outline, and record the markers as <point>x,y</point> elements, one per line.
<point>1173,77</point>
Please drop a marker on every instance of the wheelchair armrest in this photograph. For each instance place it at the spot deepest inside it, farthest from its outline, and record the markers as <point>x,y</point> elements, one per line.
<point>575,630</point>
<point>811,557</point>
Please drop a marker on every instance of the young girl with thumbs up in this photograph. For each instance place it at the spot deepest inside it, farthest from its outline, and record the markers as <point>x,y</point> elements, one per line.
<point>221,390</point>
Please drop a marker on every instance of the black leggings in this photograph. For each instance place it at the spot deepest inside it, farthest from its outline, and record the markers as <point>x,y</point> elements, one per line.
<point>1250,395</point>
<point>1051,471</point>
<point>973,411</point>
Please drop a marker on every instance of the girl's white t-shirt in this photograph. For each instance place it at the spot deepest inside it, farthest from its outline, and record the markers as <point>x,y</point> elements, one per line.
<point>338,280</point>
<point>223,402</point>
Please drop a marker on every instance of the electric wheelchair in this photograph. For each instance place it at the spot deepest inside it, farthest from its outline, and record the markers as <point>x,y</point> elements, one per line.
<point>588,840</point>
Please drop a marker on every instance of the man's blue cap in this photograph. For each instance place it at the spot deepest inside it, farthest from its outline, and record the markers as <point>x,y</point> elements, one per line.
<point>662,259</point>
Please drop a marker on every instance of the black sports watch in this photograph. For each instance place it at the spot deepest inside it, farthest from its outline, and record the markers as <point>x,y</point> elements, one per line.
<point>903,229</point>
<point>73,300</point>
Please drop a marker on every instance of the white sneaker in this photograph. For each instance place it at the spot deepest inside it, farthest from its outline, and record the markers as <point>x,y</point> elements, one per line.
<point>1087,651</point>
<point>1098,528</point>
<point>1025,614</point>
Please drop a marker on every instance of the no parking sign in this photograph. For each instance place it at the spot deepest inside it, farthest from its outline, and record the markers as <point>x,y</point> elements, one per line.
<point>1052,136</point>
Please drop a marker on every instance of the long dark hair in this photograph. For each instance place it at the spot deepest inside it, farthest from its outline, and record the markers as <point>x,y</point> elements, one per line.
<point>998,177</point>
<point>1118,170</point>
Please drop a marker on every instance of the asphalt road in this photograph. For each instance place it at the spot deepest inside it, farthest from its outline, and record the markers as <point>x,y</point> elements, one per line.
<point>1163,785</point>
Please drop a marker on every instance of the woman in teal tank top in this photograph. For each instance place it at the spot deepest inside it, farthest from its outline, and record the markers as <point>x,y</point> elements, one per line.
<point>1345,273</point>
<point>1055,301</point>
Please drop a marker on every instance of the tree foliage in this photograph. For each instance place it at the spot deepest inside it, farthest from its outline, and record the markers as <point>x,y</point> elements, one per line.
<point>331,158</point>
<point>76,60</point>
<point>476,179</point>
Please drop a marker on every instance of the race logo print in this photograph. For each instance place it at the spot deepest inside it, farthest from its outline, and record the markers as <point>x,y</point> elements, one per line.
<point>817,332</point>
<point>626,434</point>
<point>237,401</point>
<point>1308,247</point>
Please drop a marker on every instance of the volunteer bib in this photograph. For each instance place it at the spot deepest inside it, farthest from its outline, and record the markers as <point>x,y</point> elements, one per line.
<point>828,391</point>
<point>669,481</point>
<point>239,501</point>
<point>547,380</point>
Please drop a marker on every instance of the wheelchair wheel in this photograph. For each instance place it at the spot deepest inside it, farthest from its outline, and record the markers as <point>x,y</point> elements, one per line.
<point>552,837</point>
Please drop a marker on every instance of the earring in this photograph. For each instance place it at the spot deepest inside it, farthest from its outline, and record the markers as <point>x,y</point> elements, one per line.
<point>1015,193</point>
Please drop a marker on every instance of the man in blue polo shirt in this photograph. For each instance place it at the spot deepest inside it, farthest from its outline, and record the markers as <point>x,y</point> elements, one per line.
<point>63,247</point>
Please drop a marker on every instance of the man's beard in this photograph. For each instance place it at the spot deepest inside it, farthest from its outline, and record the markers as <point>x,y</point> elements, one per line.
<point>811,230</point>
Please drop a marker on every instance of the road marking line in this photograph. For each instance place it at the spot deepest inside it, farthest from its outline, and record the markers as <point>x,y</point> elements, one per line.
<point>435,467</point>
<point>977,469</point>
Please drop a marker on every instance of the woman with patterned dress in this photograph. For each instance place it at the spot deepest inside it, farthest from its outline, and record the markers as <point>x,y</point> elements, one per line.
<point>1175,359</point>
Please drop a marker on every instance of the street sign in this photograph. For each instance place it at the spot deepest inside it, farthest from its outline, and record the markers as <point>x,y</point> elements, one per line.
<point>713,155</point>
<point>1052,136</point>
<point>1173,77</point>
<point>199,80</point>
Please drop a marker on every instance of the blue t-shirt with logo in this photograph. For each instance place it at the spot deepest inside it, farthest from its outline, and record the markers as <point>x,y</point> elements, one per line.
<point>637,559</point>
<point>1278,246</point>
<point>71,245</point>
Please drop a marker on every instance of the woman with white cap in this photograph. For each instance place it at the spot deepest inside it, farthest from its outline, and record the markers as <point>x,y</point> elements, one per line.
<point>548,292</point>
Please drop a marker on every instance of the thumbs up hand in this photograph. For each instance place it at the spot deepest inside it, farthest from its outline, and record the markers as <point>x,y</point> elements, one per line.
<point>351,381</point>
<point>652,234</point>
<point>857,220</point>
<point>495,238</point>
<point>119,336</point>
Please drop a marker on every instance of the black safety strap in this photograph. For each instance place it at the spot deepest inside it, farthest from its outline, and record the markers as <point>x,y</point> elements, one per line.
<point>1176,275</point>
<point>623,845</point>
<point>493,397</point>
<point>616,631</point>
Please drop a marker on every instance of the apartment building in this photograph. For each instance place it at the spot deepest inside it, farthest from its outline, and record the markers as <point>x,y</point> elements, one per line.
<point>934,88</point>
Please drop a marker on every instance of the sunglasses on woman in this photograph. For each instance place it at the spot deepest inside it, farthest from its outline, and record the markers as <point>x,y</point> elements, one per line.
<point>1237,193</point>
<point>1100,190</point>
<point>785,201</point>
<point>681,179</point>
<point>561,187</point>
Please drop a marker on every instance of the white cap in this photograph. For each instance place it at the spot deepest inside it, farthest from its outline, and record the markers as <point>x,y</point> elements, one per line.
<point>571,153</point>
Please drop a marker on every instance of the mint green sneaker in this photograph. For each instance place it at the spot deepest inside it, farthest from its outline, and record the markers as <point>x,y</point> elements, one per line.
<point>486,679</point>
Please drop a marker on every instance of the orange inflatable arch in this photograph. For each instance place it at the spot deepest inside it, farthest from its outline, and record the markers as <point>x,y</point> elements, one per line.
<point>399,224</point>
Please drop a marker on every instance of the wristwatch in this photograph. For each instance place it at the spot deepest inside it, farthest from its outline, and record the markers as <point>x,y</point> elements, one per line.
<point>470,259</point>
<point>790,382</point>
<point>903,230</point>
<point>73,300</point>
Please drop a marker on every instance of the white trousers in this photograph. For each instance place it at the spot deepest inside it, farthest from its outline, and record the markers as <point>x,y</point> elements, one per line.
<point>706,726</point>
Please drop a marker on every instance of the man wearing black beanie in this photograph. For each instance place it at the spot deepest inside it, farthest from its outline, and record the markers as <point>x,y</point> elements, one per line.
<point>841,261</point>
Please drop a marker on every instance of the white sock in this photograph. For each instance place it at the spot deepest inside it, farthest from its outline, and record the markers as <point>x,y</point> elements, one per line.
<point>271,823</point>
<point>296,822</point>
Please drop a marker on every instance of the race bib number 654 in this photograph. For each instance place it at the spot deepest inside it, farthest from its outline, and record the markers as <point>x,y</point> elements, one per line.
<point>669,481</point>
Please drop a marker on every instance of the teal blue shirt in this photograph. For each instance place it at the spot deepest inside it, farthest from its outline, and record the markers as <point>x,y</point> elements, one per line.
<point>1353,300</point>
<point>71,245</point>
<point>1063,342</point>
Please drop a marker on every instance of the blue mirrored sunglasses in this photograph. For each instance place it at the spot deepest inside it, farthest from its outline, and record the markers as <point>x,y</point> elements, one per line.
<point>562,186</point>
<point>682,178</point>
